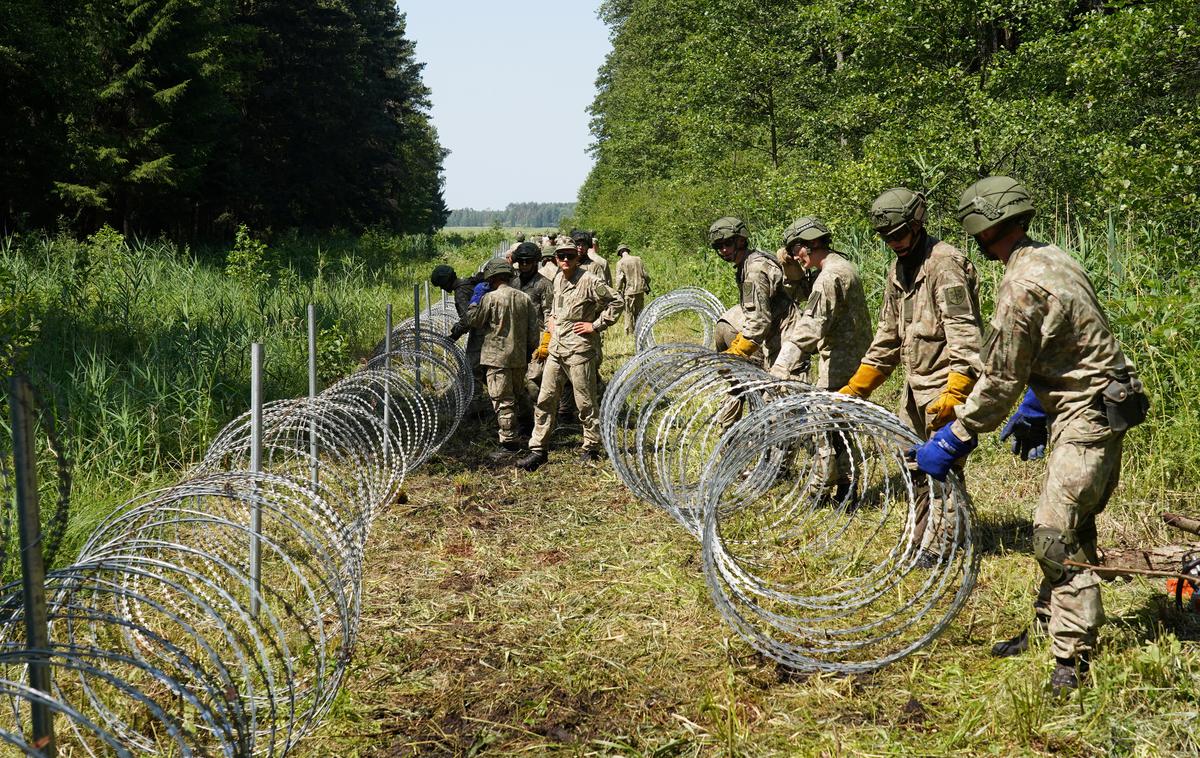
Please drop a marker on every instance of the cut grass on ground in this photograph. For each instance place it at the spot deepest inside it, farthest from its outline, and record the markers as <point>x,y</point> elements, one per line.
<point>508,613</point>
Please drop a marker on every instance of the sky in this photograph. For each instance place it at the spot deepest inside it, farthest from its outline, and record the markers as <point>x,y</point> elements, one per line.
<point>511,83</point>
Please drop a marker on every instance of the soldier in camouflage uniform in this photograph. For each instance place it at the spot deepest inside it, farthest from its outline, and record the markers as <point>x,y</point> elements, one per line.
<point>444,278</point>
<point>541,291</point>
<point>584,306</point>
<point>590,259</point>
<point>834,324</point>
<point>1049,333</point>
<point>633,283</point>
<point>929,323</point>
<point>797,280</point>
<point>508,320</point>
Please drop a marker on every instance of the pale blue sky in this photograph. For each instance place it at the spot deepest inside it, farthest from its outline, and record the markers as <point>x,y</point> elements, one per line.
<point>511,84</point>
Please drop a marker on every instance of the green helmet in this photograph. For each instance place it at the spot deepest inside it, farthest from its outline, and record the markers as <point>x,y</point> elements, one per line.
<point>443,277</point>
<point>896,207</point>
<point>805,229</point>
<point>497,267</point>
<point>991,200</point>
<point>623,248</point>
<point>527,251</point>
<point>726,227</point>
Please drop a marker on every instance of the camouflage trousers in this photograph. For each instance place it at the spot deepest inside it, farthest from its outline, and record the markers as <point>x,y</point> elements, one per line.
<point>935,524</point>
<point>633,309</point>
<point>582,373</point>
<point>502,384</point>
<point>1082,471</point>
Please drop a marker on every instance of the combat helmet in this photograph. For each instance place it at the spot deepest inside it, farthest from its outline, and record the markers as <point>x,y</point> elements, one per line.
<point>527,251</point>
<point>443,277</point>
<point>895,208</point>
<point>805,229</point>
<point>991,200</point>
<point>726,227</point>
<point>497,267</point>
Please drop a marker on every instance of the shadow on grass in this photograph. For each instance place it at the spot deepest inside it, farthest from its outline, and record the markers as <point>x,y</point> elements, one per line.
<point>1007,535</point>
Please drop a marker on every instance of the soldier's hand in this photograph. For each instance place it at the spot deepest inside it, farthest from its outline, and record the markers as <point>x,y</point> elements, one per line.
<point>584,327</point>
<point>1028,429</point>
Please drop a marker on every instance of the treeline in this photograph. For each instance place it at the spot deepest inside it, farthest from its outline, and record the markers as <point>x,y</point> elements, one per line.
<point>771,108</point>
<point>536,215</point>
<point>187,117</point>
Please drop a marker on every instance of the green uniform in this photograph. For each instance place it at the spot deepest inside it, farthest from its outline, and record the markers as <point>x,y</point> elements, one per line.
<point>581,298</point>
<point>541,291</point>
<point>1050,333</point>
<point>508,322</point>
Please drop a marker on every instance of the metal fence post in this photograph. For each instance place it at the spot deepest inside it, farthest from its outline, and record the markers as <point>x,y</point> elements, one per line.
<point>417,333</point>
<point>33,568</point>
<point>256,361</point>
<point>312,392</point>
<point>387,365</point>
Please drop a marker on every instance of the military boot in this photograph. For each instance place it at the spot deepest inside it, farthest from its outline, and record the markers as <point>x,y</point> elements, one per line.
<point>533,461</point>
<point>1020,643</point>
<point>1068,674</point>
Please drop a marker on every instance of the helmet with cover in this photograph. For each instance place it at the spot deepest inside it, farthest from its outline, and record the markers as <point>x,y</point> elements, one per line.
<point>526,251</point>
<point>895,208</point>
<point>805,229</point>
<point>725,228</point>
<point>992,200</point>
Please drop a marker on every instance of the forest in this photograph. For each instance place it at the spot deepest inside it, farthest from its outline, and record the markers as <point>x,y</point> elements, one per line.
<point>188,118</point>
<point>535,215</point>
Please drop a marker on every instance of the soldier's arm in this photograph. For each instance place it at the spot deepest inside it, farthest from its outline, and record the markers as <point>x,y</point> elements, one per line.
<point>957,298</point>
<point>756,307</point>
<point>611,304</point>
<point>812,325</point>
<point>1007,357</point>
<point>620,283</point>
<point>477,316</point>
<point>533,331</point>
<point>884,352</point>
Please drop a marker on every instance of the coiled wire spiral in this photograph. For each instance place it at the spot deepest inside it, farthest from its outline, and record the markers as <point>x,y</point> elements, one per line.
<point>685,300</point>
<point>808,511</point>
<point>162,644</point>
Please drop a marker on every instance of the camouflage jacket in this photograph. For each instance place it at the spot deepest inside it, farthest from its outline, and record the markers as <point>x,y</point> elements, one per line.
<point>797,280</point>
<point>1048,332</point>
<point>632,278</point>
<point>598,266</point>
<point>931,325</point>
<point>834,323</point>
<point>463,289</point>
<point>541,292</point>
<point>764,303</point>
<point>584,297</point>
<point>508,321</point>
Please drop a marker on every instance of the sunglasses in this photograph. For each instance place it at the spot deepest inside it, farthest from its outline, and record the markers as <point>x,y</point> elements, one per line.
<point>566,256</point>
<point>896,234</point>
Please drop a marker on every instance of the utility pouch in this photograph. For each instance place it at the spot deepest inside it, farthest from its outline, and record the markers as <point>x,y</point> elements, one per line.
<point>1125,404</point>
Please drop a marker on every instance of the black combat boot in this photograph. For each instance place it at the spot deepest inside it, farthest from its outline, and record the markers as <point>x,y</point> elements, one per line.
<point>511,446</point>
<point>1020,643</point>
<point>533,461</point>
<point>1068,674</point>
<point>589,455</point>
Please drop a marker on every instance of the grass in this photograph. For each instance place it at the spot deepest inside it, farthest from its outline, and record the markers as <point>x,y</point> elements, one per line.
<point>507,613</point>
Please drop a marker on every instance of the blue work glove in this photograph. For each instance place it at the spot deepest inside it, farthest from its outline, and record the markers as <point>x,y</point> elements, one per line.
<point>1028,429</point>
<point>942,449</point>
<point>480,290</point>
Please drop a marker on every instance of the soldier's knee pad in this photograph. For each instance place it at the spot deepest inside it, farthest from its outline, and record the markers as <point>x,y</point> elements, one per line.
<point>1051,548</point>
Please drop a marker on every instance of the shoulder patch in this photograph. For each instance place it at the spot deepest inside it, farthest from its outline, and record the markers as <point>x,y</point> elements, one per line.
<point>957,302</point>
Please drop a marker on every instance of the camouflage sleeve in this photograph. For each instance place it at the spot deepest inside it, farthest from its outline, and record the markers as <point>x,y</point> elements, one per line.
<point>620,284</point>
<point>611,304</point>
<point>884,352</point>
<point>957,299</point>
<point>533,333</point>
<point>1007,358</point>
<point>462,301</point>
<point>756,306</point>
<point>477,316</point>
<point>810,327</point>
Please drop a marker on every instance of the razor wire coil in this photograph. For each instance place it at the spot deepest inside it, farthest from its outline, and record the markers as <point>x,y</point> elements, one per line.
<point>163,643</point>
<point>699,302</point>
<point>813,522</point>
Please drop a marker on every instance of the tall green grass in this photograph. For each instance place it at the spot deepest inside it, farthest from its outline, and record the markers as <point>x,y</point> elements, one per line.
<point>143,346</point>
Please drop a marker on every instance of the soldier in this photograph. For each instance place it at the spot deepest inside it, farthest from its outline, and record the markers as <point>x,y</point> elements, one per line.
<point>1049,333</point>
<point>929,322</point>
<point>584,306</point>
<point>508,320</point>
<point>548,267</point>
<point>797,280</point>
<point>540,291</point>
<point>444,278</point>
<point>589,256</point>
<point>833,324</point>
<point>633,283</point>
<point>763,305</point>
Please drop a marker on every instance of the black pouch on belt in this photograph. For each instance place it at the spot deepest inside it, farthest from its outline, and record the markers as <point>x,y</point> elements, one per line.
<point>1125,404</point>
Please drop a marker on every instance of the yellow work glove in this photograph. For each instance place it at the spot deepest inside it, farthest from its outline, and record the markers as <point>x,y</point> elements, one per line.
<point>742,347</point>
<point>865,381</point>
<point>941,411</point>
<point>543,348</point>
